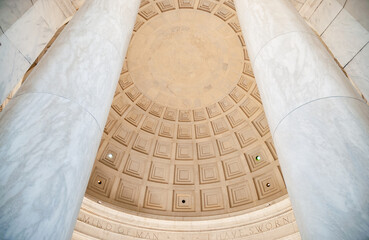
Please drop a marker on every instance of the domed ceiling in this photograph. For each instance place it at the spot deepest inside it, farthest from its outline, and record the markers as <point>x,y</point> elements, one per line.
<point>186,134</point>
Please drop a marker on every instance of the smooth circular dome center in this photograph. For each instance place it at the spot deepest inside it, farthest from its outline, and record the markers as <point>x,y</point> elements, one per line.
<point>178,64</point>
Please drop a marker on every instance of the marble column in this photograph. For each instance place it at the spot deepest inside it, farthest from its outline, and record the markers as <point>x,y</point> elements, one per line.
<point>51,129</point>
<point>319,123</point>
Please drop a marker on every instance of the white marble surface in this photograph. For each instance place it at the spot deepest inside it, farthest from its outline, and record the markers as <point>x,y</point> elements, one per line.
<point>325,13</point>
<point>345,37</point>
<point>13,65</point>
<point>359,9</point>
<point>272,222</point>
<point>50,131</point>
<point>47,147</point>
<point>262,13</point>
<point>50,12</point>
<point>90,52</point>
<point>27,37</point>
<point>30,34</point>
<point>309,8</point>
<point>319,123</point>
<point>358,70</point>
<point>11,11</point>
<point>323,149</point>
<point>299,71</point>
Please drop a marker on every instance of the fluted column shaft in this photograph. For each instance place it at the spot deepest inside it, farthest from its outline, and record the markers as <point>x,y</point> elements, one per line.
<point>50,131</point>
<point>320,125</point>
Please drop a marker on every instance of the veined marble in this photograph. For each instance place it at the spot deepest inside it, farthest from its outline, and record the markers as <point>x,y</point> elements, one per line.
<point>297,75</point>
<point>318,120</point>
<point>30,34</point>
<point>50,131</point>
<point>325,13</point>
<point>358,70</point>
<point>263,12</point>
<point>11,11</point>
<point>345,37</point>
<point>324,148</point>
<point>13,65</point>
<point>45,141</point>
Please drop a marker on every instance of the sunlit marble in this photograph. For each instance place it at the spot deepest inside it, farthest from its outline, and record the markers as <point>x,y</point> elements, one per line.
<point>50,132</point>
<point>319,122</point>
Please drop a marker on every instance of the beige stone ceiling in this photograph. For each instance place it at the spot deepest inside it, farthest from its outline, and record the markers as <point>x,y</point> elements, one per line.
<point>186,134</point>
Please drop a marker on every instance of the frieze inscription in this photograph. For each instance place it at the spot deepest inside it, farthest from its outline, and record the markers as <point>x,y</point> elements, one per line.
<point>120,231</point>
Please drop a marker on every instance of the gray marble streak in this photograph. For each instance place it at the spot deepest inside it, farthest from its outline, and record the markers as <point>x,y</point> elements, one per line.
<point>50,131</point>
<point>324,154</point>
<point>47,148</point>
<point>13,65</point>
<point>319,123</point>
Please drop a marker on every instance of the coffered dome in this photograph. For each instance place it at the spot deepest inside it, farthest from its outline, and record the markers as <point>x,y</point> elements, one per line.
<point>186,134</point>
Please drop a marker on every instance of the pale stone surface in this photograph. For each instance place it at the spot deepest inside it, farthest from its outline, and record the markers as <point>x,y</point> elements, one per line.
<point>331,181</point>
<point>321,124</point>
<point>299,75</point>
<point>345,33</point>
<point>42,176</point>
<point>51,129</point>
<point>288,22</point>
<point>97,221</point>
<point>358,70</point>
<point>359,9</point>
<point>325,14</point>
<point>345,37</point>
<point>30,34</point>
<point>27,37</point>
<point>190,60</point>
<point>309,8</point>
<point>11,11</point>
<point>13,65</point>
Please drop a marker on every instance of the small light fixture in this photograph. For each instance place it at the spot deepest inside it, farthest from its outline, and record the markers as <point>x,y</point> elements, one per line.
<point>99,202</point>
<point>110,155</point>
<point>258,158</point>
<point>183,201</point>
<point>99,181</point>
<point>268,184</point>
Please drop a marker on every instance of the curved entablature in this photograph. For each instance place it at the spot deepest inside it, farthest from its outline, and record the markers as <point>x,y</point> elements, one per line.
<point>187,135</point>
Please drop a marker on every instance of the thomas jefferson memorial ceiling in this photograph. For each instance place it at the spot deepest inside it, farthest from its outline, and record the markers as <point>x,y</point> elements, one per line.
<point>186,135</point>
<point>162,119</point>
